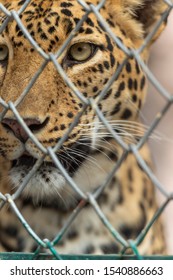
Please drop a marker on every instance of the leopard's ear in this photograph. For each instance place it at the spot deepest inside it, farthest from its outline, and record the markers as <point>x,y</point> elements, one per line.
<point>140,15</point>
<point>148,13</point>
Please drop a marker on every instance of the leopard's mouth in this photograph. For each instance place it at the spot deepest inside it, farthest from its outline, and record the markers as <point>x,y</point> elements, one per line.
<point>48,180</point>
<point>71,159</point>
<point>28,162</point>
<point>24,160</point>
<point>50,183</point>
<point>46,183</point>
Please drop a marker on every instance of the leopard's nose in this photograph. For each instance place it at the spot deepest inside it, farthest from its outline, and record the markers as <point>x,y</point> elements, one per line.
<point>13,125</point>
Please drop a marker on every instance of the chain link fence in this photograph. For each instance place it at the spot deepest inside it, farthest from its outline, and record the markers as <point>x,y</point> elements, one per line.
<point>91,197</point>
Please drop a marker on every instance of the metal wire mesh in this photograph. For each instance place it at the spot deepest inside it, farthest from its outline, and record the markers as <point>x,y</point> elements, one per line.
<point>91,197</point>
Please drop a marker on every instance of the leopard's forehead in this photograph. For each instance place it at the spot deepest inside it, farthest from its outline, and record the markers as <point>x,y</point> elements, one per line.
<point>50,22</point>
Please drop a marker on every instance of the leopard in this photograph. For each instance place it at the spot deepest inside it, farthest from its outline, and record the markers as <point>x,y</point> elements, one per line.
<point>71,111</point>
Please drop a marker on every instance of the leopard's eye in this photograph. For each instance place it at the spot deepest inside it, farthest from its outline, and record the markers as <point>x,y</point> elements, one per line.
<point>81,51</point>
<point>3,52</point>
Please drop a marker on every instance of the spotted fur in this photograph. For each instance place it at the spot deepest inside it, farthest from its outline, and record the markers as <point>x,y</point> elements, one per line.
<point>90,152</point>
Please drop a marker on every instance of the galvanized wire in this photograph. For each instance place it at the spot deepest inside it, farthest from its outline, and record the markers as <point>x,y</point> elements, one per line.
<point>51,152</point>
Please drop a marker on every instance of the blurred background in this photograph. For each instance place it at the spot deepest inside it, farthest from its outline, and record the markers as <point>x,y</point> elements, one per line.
<point>161,64</point>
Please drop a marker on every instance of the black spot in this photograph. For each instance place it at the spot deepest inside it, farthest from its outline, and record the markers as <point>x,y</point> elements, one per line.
<point>89,249</point>
<point>100,106</point>
<point>51,140</point>
<point>111,23</point>
<point>52,42</point>
<point>67,12</point>
<point>151,202</point>
<point>126,114</point>
<point>142,83</point>
<point>116,109</point>
<point>130,175</point>
<point>51,29</point>
<point>89,228</point>
<point>143,217</point>
<point>100,66</point>
<point>29,26</point>
<point>117,94</point>
<point>79,83</point>
<point>76,20</point>
<point>39,29</point>
<point>127,231</point>
<point>121,41</point>
<point>69,27</point>
<point>72,234</point>
<point>89,22</point>
<point>49,49</point>
<point>112,60</point>
<point>130,83</point>
<point>47,21</point>
<point>88,31</point>
<point>134,97</point>
<point>121,86</point>
<point>17,28</point>
<point>94,69</point>
<point>130,188</point>
<point>109,92</point>
<point>137,67</point>
<point>11,230</point>
<point>109,44</point>
<point>56,128</point>
<point>70,115</point>
<point>103,198</point>
<point>85,84</point>
<point>121,195</point>
<point>30,18</point>
<point>128,67</point>
<point>81,30</point>
<point>101,26</point>
<point>32,33</point>
<point>99,30</point>
<point>105,81</point>
<point>106,64</point>
<point>110,248</point>
<point>140,104</point>
<point>66,5</point>
<point>113,183</point>
<point>145,192</point>
<point>21,2</point>
<point>20,33</point>
<point>113,156</point>
<point>135,84</point>
<point>18,44</point>
<point>57,20</point>
<point>140,167</point>
<point>43,36</point>
<point>95,89</point>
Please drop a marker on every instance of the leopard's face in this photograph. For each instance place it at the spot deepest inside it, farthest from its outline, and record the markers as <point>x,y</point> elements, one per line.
<point>49,108</point>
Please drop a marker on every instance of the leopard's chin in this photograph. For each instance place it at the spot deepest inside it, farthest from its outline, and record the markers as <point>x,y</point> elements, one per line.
<point>46,182</point>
